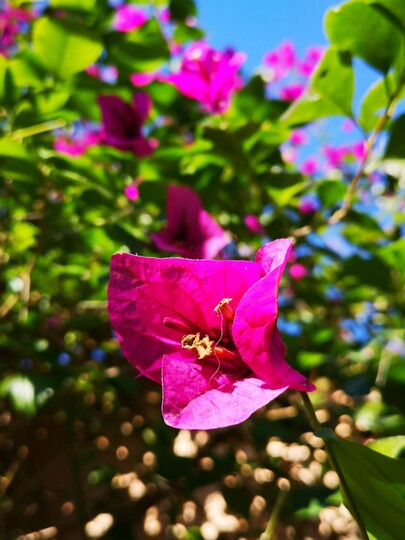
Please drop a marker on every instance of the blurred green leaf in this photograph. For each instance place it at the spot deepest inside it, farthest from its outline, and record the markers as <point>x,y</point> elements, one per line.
<point>16,163</point>
<point>23,236</point>
<point>181,9</point>
<point>377,486</point>
<point>350,26</point>
<point>144,49</point>
<point>396,7</point>
<point>27,70</point>
<point>331,192</point>
<point>80,5</point>
<point>389,446</point>
<point>396,142</point>
<point>65,47</point>
<point>308,360</point>
<point>21,392</point>
<point>330,90</point>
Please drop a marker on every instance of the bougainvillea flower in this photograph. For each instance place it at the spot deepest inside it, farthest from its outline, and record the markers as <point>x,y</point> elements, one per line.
<point>298,271</point>
<point>190,231</point>
<point>281,60</point>
<point>122,123</point>
<point>309,166</point>
<point>312,57</point>
<point>131,191</point>
<point>128,18</point>
<point>75,146</point>
<point>292,91</point>
<point>253,224</point>
<point>206,330</point>
<point>208,76</point>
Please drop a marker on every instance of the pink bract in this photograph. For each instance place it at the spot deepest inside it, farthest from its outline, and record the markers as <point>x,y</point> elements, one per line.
<point>298,271</point>
<point>281,60</point>
<point>190,231</point>
<point>128,18</point>
<point>122,123</point>
<point>206,330</point>
<point>253,224</point>
<point>208,76</point>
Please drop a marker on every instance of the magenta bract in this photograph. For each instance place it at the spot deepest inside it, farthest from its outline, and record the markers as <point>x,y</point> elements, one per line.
<point>206,330</point>
<point>122,123</point>
<point>209,76</point>
<point>190,231</point>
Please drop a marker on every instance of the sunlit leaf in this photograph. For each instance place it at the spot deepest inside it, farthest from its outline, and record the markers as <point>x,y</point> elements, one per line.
<point>64,47</point>
<point>349,27</point>
<point>377,486</point>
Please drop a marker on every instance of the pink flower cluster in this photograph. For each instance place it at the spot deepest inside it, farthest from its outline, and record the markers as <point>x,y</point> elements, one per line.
<point>12,21</point>
<point>209,76</point>
<point>283,66</point>
<point>75,146</point>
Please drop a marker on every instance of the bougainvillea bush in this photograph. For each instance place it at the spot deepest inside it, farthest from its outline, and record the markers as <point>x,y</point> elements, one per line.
<point>245,376</point>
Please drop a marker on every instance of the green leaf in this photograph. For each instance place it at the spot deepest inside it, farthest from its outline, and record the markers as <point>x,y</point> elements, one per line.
<point>80,5</point>
<point>15,162</point>
<point>377,486</point>
<point>181,9</point>
<point>144,49</point>
<point>310,360</point>
<point>331,192</point>
<point>23,236</point>
<point>374,102</point>
<point>333,80</point>
<point>330,91</point>
<point>365,32</point>
<point>184,33</point>
<point>389,446</point>
<point>394,254</point>
<point>64,47</point>
<point>396,7</point>
<point>396,143</point>
<point>27,70</point>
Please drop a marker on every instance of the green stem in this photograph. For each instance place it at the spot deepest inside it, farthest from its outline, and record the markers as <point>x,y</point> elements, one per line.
<point>271,525</point>
<point>38,128</point>
<point>335,465</point>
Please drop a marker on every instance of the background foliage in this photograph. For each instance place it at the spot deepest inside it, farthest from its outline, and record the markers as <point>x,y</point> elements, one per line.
<point>84,451</point>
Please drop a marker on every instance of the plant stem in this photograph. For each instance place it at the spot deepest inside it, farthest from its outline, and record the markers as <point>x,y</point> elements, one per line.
<point>335,465</point>
<point>37,129</point>
<point>271,525</point>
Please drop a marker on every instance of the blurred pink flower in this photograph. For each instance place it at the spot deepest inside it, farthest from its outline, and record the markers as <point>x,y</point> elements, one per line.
<point>281,60</point>
<point>335,155</point>
<point>298,271</point>
<point>298,137</point>
<point>75,146</point>
<point>312,57</point>
<point>359,150</point>
<point>206,330</point>
<point>308,205</point>
<point>292,92</point>
<point>12,21</point>
<point>131,191</point>
<point>143,79</point>
<point>128,17</point>
<point>253,224</point>
<point>122,123</point>
<point>190,230</point>
<point>208,76</point>
<point>348,125</point>
<point>309,166</point>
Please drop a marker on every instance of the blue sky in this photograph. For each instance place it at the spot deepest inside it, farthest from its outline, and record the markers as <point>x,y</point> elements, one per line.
<point>257,26</point>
